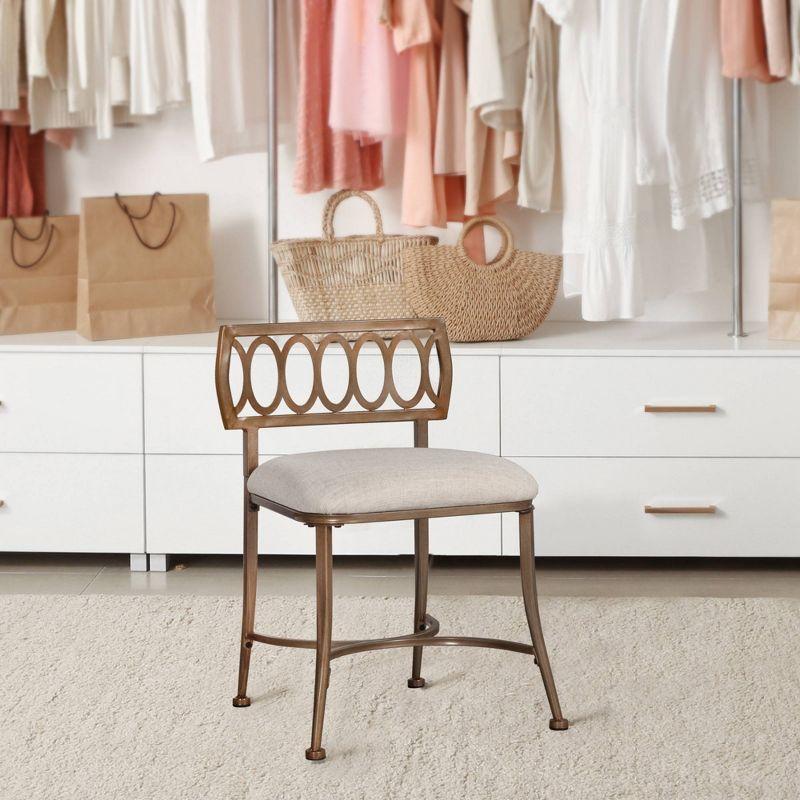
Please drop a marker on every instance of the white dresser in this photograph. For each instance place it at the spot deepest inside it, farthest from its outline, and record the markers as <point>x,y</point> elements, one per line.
<point>118,447</point>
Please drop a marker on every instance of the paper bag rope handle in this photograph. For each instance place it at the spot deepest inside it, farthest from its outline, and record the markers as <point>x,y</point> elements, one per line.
<point>17,231</point>
<point>133,218</point>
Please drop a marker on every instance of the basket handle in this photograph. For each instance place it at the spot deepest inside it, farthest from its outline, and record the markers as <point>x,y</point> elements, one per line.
<point>333,203</point>
<point>133,218</point>
<point>507,249</point>
<point>17,231</point>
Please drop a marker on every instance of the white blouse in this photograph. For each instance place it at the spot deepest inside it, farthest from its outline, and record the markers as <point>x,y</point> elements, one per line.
<point>10,16</point>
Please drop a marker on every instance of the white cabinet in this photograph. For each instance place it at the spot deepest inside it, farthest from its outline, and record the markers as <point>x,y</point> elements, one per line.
<point>595,507</point>
<point>595,406</point>
<point>71,503</point>
<point>119,446</point>
<point>70,402</point>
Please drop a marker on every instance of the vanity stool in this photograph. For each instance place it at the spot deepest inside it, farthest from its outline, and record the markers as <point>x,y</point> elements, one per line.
<point>333,488</point>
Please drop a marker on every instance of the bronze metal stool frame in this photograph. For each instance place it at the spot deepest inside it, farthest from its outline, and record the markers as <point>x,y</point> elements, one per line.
<point>387,335</point>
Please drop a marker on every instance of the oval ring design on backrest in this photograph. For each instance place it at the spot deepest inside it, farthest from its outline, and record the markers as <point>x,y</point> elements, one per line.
<point>424,376</point>
<point>247,367</point>
<point>434,395</point>
<point>352,377</point>
<point>300,408</point>
<point>372,405</point>
<point>242,401</point>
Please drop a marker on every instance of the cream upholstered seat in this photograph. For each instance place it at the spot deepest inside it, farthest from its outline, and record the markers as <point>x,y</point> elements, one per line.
<point>368,480</point>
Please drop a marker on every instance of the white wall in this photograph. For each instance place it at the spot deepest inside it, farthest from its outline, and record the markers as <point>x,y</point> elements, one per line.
<point>161,155</point>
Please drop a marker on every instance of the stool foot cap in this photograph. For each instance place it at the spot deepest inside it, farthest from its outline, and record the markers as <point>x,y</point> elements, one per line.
<point>315,755</point>
<point>241,701</point>
<point>416,683</point>
<point>559,724</point>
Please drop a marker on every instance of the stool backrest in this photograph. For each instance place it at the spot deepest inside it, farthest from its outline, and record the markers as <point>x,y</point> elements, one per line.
<point>242,409</point>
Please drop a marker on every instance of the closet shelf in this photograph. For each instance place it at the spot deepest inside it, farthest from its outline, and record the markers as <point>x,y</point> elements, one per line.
<point>551,339</point>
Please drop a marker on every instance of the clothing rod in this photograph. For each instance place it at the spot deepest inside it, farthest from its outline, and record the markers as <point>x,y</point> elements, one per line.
<point>737,303</point>
<point>272,161</point>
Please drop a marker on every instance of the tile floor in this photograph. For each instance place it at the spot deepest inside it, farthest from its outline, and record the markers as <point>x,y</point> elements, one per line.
<point>386,576</point>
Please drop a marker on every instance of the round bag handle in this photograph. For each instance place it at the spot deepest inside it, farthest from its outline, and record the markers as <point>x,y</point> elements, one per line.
<point>335,200</point>
<point>133,218</point>
<point>17,231</point>
<point>507,249</point>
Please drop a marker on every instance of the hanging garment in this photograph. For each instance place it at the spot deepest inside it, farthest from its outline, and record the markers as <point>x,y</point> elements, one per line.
<point>288,77</point>
<point>449,157</point>
<point>48,53</point>
<point>744,45</point>
<point>794,33</point>
<point>326,159</point>
<point>620,247</point>
<point>22,175</point>
<point>417,32</point>
<point>61,137</point>
<point>491,155</point>
<point>683,112</point>
<point>226,47</point>
<point>539,170</point>
<point>498,55</point>
<point>10,34</point>
<point>157,48</point>
<point>776,31</point>
<point>369,80</point>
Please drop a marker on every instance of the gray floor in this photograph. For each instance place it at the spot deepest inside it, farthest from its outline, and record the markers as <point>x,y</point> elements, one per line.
<point>221,575</point>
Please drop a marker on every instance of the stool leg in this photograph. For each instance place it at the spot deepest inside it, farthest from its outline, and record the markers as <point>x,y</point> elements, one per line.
<point>249,577</point>
<point>527,570</point>
<point>324,627</point>
<point>421,563</point>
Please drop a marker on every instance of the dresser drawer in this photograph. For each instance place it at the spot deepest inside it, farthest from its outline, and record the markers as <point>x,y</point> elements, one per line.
<point>70,403</point>
<point>595,406</point>
<point>596,507</point>
<point>182,416</point>
<point>71,503</point>
<point>194,505</point>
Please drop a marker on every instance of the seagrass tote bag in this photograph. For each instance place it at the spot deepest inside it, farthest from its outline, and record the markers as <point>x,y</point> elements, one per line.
<point>508,298</point>
<point>348,277</point>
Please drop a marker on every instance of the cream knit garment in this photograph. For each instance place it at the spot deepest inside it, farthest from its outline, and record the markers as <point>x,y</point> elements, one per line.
<point>10,18</point>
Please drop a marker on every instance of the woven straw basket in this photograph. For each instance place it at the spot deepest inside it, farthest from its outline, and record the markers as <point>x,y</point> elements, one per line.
<point>505,299</point>
<point>352,277</point>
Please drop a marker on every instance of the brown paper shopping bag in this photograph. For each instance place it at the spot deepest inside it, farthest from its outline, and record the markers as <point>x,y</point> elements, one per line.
<point>784,273</point>
<point>38,268</point>
<point>145,266</point>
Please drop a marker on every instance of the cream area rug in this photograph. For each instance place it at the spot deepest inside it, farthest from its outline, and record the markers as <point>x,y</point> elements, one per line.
<point>129,698</point>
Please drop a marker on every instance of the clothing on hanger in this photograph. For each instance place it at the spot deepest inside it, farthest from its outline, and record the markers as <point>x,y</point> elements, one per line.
<point>10,39</point>
<point>743,40</point>
<point>326,159</point>
<point>369,79</point>
<point>620,249</point>
<point>794,36</point>
<point>776,33</point>
<point>449,156</point>
<point>157,48</point>
<point>498,56</point>
<point>491,155</point>
<point>539,171</point>
<point>22,175</point>
<point>417,33</point>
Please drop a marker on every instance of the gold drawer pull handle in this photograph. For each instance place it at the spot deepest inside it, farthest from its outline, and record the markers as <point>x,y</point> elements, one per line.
<point>680,509</point>
<point>709,409</point>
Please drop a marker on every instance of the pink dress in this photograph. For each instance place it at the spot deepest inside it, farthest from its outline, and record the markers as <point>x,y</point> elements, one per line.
<point>369,79</point>
<point>428,199</point>
<point>326,159</point>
